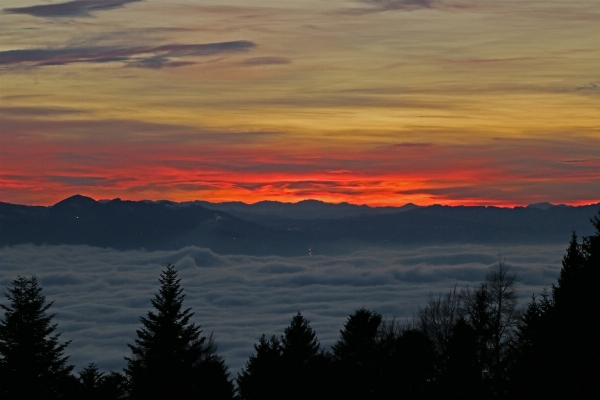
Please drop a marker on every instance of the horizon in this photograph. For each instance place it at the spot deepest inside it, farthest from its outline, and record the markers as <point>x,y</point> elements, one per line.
<point>378,102</point>
<point>576,204</point>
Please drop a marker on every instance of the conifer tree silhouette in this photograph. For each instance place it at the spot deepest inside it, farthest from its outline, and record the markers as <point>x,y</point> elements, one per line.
<point>32,361</point>
<point>356,356</point>
<point>461,375</point>
<point>558,351</point>
<point>299,342</point>
<point>91,379</point>
<point>292,367</point>
<point>170,358</point>
<point>260,379</point>
<point>96,385</point>
<point>415,357</point>
<point>572,266</point>
<point>303,361</point>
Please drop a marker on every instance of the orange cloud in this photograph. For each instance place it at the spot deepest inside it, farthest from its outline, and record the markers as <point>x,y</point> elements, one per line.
<point>505,172</point>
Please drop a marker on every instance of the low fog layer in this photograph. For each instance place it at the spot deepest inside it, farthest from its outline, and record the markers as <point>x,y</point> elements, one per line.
<point>99,294</point>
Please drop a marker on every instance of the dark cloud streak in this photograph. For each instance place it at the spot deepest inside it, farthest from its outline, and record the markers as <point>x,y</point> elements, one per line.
<point>400,4</point>
<point>37,111</point>
<point>153,56</point>
<point>258,61</point>
<point>390,5</point>
<point>77,8</point>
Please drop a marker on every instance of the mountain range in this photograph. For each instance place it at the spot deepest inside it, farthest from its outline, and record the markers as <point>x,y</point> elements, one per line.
<point>272,228</point>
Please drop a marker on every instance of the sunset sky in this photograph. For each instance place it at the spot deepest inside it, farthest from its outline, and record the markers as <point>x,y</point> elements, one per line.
<point>379,102</point>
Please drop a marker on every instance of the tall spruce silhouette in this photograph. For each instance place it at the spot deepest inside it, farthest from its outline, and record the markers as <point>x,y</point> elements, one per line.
<point>261,378</point>
<point>299,341</point>
<point>461,373</point>
<point>292,367</point>
<point>90,379</point>
<point>32,360</point>
<point>170,358</point>
<point>303,362</point>
<point>558,351</point>
<point>357,357</point>
<point>96,385</point>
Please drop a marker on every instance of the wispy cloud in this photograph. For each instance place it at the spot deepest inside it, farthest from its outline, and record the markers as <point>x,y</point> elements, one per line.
<point>37,111</point>
<point>76,8</point>
<point>40,122</point>
<point>590,87</point>
<point>412,144</point>
<point>400,4</point>
<point>157,62</point>
<point>390,5</point>
<point>258,61</point>
<point>155,57</point>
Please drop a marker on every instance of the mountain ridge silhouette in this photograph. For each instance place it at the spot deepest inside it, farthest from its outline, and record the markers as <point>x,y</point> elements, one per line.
<point>287,229</point>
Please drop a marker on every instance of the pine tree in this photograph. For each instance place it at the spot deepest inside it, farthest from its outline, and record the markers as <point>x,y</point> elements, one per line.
<point>260,379</point>
<point>32,361</point>
<point>170,355</point>
<point>574,319</point>
<point>461,372</point>
<point>557,341</point>
<point>532,351</point>
<point>302,361</point>
<point>299,342</point>
<point>291,367</point>
<point>410,366</point>
<point>213,374</point>
<point>531,323</point>
<point>356,356</point>
<point>91,378</point>
<point>572,266</point>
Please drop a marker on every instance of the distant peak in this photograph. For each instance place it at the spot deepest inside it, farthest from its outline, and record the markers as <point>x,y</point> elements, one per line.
<point>311,201</point>
<point>541,206</point>
<point>76,200</point>
<point>409,206</point>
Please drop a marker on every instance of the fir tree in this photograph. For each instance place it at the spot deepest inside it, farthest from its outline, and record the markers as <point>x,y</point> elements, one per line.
<point>96,385</point>
<point>91,378</point>
<point>461,375</point>
<point>292,367</point>
<point>260,379</point>
<point>170,357</point>
<point>32,360</point>
<point>299,342</point>
<point>572,266</point>
<point>302,361</point>
<point>356,356</point>
<point>557,340</point>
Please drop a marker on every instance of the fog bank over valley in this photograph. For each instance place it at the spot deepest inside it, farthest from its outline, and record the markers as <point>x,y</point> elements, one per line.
<point>99,293</point>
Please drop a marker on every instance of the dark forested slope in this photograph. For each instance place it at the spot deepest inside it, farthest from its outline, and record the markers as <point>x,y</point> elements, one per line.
<point>290,229</point>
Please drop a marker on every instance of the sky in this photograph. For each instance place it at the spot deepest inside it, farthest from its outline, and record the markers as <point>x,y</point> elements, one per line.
<point>99,294</point>
<point>379,102</point>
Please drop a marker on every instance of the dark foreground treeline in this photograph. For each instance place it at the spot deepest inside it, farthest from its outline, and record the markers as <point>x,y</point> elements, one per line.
<point>472,343</point>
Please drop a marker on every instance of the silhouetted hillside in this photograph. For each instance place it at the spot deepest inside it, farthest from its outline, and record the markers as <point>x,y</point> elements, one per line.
<point>282,228</point>
<point>307,209</point>
<point>137,224</point>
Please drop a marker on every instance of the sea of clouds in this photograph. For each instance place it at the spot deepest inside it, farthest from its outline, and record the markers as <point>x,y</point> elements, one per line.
<point>99,294</point>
